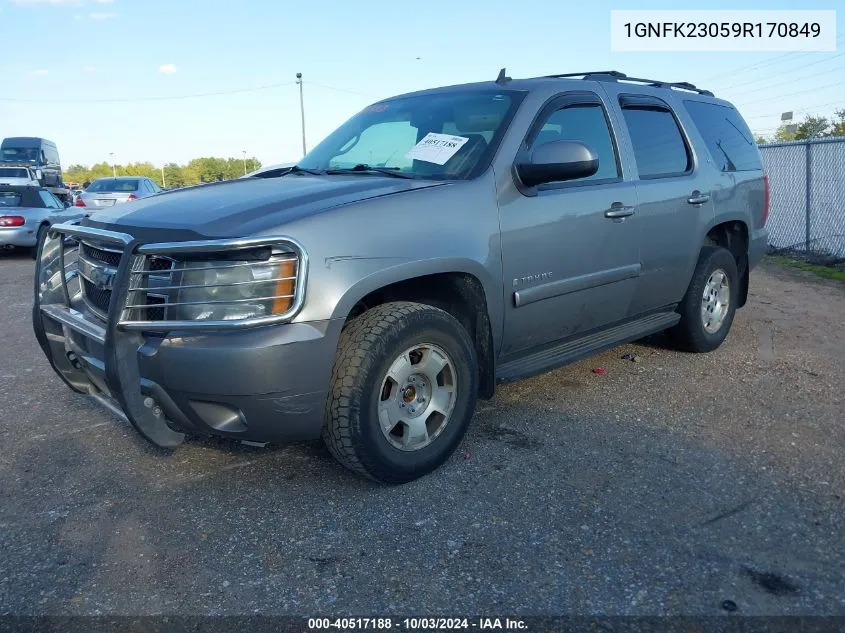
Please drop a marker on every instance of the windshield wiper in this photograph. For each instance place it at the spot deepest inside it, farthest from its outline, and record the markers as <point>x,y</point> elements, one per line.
<point>296,169</point>
<point>362,168</point>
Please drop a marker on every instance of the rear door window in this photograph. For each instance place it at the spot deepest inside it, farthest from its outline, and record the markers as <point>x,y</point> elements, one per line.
<point>659,147</point>
<point>727,136</point>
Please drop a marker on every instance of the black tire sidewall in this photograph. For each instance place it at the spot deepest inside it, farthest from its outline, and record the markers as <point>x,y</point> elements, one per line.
<point>436,327</point>
<point>39,237</point>
<point>712,259</point>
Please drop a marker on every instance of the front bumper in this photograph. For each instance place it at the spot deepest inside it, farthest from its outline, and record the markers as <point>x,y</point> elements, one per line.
<point>263,384</point>
<point>24,236</point>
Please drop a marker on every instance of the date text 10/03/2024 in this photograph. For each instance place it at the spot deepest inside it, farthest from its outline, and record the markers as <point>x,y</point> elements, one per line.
<point>415,624</point>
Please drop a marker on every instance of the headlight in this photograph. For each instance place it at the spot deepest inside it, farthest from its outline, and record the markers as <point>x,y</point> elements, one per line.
<point>233,290</point>
<point>210,284</point>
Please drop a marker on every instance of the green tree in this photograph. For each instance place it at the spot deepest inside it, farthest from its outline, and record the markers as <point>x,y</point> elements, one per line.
<point>812,127</point>
<point>197,171</point>
<point>762,140</point>
<point>783,133</point>
<point>173,176</point>
<point>838,128</point>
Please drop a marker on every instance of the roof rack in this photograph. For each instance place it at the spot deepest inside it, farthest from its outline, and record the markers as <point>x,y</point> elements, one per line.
<point>615,75</point>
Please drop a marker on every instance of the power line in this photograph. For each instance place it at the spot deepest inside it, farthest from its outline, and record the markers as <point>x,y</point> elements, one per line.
<point>807,109</point>
<point>791,70</point>
<point>766,62</point>
<point>800,92</point>
<point>783,83</point>
<point>352,92</point>
<point>160,98</point>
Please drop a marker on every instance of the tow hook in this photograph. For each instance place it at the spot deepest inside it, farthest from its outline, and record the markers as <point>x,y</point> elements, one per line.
<point>151,404</point>
<point>73,359</point>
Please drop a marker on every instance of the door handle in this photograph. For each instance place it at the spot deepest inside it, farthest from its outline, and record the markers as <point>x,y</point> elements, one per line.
<point>618,210</point>
<point>698,198</point>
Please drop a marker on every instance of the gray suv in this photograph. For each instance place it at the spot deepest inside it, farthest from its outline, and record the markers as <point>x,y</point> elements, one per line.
<point>435,245</point>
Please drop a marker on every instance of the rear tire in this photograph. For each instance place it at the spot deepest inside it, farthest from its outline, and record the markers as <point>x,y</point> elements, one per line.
<point>708,307</point>
<point>404,387</point>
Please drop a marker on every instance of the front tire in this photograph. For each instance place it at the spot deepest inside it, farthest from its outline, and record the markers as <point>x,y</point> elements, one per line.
<point>404,387</point>
<point>42,231</point>
<point>707,310</point>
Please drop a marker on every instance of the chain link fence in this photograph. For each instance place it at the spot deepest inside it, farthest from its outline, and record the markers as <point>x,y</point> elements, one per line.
<point>807,208</point>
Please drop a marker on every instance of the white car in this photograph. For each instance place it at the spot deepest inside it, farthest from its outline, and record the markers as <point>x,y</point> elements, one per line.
<point>270,171</point>
<point>18,176</point>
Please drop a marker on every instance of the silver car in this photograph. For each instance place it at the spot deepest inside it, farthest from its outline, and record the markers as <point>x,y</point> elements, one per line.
<point>27,212</point>
<point>107,192</point>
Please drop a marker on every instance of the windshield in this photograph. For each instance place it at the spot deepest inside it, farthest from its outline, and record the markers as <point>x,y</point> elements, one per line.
<point>20,154</point>
<point>441,136</point>
<point>13,172</point>
<point>110,184</point>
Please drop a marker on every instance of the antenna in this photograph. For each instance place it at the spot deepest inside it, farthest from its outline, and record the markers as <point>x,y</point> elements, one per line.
<point>502,79</point>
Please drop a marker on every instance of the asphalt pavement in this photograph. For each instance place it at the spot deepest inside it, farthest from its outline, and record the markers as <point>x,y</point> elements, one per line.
<point>665,486</point>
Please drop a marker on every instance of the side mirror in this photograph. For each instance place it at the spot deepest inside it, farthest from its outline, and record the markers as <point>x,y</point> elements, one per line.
<point>38,174</point>
<point>558,161</point>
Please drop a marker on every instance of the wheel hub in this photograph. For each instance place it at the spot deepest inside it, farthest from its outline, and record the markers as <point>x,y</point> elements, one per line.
<point>715,301</point>
<point>417,397</point>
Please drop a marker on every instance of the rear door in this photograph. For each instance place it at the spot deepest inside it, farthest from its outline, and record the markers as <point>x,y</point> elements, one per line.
<point>570,253</point>
<point>674,189</point>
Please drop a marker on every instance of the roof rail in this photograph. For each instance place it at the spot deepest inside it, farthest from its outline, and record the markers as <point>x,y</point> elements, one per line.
<point>615,75</point>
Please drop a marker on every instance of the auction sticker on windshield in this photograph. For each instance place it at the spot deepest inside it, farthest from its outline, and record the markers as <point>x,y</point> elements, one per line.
<point>437,148</point>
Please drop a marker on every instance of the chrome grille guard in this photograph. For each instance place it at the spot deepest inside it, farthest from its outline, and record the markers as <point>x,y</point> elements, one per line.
<point>144,264</point>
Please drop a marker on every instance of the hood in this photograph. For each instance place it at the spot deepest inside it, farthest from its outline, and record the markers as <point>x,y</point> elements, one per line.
<point>245,206</point>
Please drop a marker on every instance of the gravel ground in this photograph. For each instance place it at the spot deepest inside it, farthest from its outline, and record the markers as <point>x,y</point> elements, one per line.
<point>665,486</point>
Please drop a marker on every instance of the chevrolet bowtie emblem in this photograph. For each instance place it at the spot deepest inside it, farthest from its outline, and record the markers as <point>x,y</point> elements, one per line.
<point>103,279</point>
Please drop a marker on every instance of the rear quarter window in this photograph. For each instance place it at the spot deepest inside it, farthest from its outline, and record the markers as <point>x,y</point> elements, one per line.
<point>728,139</point>
<point>9,199</point>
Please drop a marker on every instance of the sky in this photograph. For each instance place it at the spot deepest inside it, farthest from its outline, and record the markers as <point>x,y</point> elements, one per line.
<point>121,77</point>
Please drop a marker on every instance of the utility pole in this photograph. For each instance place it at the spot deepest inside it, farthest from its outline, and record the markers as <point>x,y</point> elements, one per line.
<point>244,153</point>
<point>113,168</point>
<point>302,111</point>
<point>163,183</point>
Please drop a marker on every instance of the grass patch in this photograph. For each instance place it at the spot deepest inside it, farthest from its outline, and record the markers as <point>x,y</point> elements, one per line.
<point>827,272</point>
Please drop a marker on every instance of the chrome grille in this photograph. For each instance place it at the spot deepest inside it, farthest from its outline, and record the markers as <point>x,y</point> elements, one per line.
<point>109,257</point>
<point>97,299</point>
<point>97,266</point>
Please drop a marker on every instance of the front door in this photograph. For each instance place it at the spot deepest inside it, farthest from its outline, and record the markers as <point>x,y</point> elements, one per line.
<point>570,250</point>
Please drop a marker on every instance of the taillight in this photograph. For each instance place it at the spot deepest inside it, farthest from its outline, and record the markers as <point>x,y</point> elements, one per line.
<point>132,196</point>
<point>79,203</point>
<point>766,199</point>
<point>12,220</point>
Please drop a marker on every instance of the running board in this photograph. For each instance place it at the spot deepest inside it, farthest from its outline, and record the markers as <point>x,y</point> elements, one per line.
<point>550,358</point>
